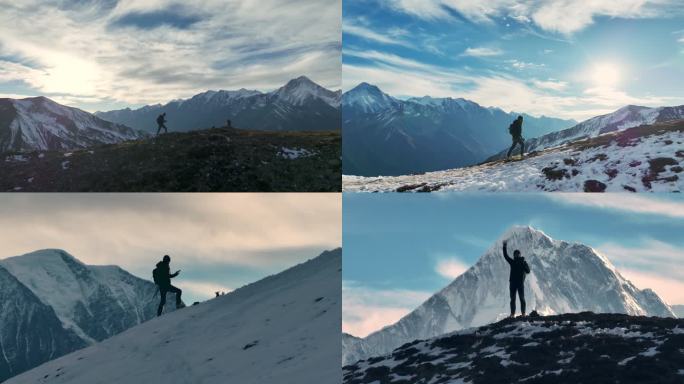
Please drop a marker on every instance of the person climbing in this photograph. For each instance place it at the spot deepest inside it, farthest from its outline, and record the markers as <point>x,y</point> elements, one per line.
<point>161,123</point>
<point>162,278</point>
<point>515,129</point>
<point>519,269</point>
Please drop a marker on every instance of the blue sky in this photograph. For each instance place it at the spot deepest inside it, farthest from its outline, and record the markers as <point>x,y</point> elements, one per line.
<point>219,241</point>
<point>107,54</point>
<point>566,59</point>
<point>401,248</point>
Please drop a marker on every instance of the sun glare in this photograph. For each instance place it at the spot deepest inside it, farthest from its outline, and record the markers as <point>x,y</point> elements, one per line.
<point>605,75</point>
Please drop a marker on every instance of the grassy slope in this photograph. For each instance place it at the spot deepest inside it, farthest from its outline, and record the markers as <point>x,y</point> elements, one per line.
<point>211,160</point>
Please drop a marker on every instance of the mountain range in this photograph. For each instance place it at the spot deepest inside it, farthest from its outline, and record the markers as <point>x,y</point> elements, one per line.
<point>565,277</point>
<point>300,105</point>
<point>384,135</point>
<point>53,304</point>
<point>38,123</point>
<point>282,329</point>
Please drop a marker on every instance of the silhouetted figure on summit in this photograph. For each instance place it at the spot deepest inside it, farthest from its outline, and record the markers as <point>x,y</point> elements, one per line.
<point>162,277</point>
<point>515,129</point>
<point>161,123</point>
<point>519,269</point>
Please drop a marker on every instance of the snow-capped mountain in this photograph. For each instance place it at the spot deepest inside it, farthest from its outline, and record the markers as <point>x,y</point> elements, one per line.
<point>565,277</point>
<point>624,118</point>
<point>646,158</point>
<point>678,310</point>
<point>38,123</point>
<point>566,349</point>
<point>283,329</point>
<point>299,105</point>
<point>53,304</point>
<point>384,135</point>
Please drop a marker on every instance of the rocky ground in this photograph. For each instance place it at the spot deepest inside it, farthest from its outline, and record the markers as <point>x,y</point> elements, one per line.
<point>217,160</point>
<point>569,348</point>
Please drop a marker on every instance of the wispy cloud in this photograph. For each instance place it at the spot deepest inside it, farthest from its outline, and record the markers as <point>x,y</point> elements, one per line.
<point>366,309</point>
<point>482,52</point>
<point>623,202</point>
<point>565,17</point>
<point>139,52</point>
<point>369,34</point>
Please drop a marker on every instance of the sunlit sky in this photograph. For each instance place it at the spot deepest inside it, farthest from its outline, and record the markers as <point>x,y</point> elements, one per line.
<point>108,54</point>
<point>400,249</point>
<point>218,241</point>
<point>568,59</point>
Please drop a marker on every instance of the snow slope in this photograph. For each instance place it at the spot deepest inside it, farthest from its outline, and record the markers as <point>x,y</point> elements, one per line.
<point>624,118</point>
<point>38,123</point>
<point>282,329</point>
<point>565,278</point>
<point>640,159</point>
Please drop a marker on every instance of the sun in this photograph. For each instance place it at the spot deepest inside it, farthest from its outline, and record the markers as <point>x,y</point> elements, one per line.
<point>605,75</point>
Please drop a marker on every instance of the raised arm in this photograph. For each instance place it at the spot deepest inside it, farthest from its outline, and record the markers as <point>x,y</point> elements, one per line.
<point>505,253</point>
<point>174,274</point>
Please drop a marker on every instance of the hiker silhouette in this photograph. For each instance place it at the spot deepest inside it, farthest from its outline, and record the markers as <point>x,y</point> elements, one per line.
<point>515,129</point>
<point>519,269</point>
<point>162,278</point>
<point>161,123</point>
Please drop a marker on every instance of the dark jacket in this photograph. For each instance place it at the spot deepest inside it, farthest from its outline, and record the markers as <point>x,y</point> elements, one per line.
<point>164,274</point>
<point>161,120</point>
<point>515,128</point>
<point>519,268</point>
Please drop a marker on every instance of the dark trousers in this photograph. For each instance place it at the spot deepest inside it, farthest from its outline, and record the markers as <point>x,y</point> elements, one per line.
<point>163,291</point>
<point>520,289</point>
<point>160,128</point>
<point>517,140</point>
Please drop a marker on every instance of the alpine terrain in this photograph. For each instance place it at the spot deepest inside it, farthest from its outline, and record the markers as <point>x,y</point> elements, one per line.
<point>384,135</point>
<point>52,304</point>
<point>646,158</point>
<point>570,348</point>
<point>300,105</point>
<point>282,329</point>
<point>565,277</point>
<point>624,118</point>
<point>38,123</point>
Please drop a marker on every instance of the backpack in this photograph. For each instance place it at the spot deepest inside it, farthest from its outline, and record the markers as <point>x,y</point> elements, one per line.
<point>160,119</point>
<point>155,275</point>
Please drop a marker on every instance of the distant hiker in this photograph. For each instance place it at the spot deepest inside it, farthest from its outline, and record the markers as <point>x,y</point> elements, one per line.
<point>162,278</point>
<point>161,123</point>
<point>515,129</point>
<point>519,268</point>
<point>229,124</point>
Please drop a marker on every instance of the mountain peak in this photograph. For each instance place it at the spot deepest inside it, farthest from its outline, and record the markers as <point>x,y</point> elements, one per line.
<point>298,91</point>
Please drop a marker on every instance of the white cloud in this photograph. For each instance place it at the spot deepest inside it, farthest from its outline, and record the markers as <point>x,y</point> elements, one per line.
<point>369,34</point>
<point>451,268</point>
<point>79,51</point>
<point>482,52</point>
<point>623,202</point>
<point>562,16</point>
<point>554,85</point>
<point>365,309</point>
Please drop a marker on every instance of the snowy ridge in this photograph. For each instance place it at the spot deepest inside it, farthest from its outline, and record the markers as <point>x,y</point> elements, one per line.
<point>39,123</point>
<point>639,159</point>
<point>283,329</point>
<point>301,89</point>
<point>624,118</point>
<point>565,278</point>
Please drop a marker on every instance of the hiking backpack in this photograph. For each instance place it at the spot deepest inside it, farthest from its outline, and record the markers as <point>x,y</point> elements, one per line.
<point>155,275</point>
